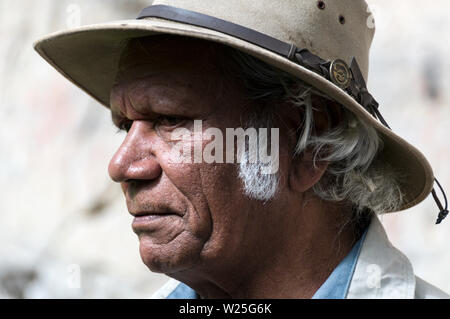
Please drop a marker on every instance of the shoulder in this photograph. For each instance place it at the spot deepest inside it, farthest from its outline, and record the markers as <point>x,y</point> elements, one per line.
<point>382,271</point>
<point>425,290</point>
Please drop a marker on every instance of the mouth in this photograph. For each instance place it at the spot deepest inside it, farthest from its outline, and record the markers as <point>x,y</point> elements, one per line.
<point>146,221</point>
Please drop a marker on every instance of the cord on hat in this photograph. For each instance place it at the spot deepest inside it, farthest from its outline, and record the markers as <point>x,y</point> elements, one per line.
<point>443,211</point>
<point>358,89</point>
<point>373,105</point>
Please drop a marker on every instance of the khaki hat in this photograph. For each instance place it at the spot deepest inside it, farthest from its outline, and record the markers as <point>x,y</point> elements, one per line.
<point>324,43</point>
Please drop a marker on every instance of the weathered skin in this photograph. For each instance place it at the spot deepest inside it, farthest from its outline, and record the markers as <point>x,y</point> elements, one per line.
<point>216,239</point>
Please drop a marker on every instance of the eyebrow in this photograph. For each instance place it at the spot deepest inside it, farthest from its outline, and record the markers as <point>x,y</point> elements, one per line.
<point>115,118</point>
<point>144,106</point>
<point>117,115</point>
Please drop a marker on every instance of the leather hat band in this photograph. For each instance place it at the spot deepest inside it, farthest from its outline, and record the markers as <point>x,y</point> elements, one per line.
<point>212,23</point>
<point>349,79</point>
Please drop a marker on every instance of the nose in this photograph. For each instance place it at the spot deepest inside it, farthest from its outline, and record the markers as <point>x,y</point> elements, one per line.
<point>135,159</point>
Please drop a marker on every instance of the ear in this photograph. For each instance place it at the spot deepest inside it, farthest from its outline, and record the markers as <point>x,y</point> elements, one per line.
<point>304,173</point>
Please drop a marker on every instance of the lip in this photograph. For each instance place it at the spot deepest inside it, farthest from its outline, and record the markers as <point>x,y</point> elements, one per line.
<point>142,222</point>
<point>159,212</point>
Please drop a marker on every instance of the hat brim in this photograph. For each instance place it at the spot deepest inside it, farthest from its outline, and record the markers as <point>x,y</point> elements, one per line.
<point>89,56</point>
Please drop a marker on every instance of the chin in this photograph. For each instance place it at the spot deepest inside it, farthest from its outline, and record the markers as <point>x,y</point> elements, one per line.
<point>169,258</point>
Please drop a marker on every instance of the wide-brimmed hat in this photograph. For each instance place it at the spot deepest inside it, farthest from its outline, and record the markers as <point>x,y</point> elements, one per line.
<point>324,43</point>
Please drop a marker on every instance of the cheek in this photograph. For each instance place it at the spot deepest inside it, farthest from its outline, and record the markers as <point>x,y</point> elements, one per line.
<point>183,183</point>
<point>218,209</point>
<point>187,179</point>
<point>230,210</point>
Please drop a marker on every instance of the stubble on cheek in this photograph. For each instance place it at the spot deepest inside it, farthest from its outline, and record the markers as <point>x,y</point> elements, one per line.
<point>172,248</point>
<point>177,241</point>
<point>167,230</point>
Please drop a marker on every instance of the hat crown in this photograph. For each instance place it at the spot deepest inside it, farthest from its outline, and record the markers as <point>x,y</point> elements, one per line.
<point>330,29</point>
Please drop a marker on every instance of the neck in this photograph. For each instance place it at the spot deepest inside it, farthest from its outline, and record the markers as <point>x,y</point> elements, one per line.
<point>293,263</point>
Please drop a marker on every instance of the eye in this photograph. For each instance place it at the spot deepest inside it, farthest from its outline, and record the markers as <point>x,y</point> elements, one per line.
<point>125,126</point>
<point>170,121</point>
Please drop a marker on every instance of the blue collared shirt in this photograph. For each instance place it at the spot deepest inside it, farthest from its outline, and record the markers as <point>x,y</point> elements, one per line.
<point>335,287</point>
<point>337,284</point>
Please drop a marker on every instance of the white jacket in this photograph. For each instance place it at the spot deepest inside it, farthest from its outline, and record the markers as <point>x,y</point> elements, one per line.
<point>381,272</point>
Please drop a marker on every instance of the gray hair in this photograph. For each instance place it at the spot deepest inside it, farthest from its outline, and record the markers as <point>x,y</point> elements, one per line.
<point>355,175</point>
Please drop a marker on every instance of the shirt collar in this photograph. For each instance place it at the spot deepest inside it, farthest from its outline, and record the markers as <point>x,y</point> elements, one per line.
<point>338,283</point>
<point>335,287</point>
<point>382,271</point>
<point>183,291</point>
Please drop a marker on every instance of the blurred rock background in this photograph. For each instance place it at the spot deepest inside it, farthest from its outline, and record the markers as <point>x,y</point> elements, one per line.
<point>64,228</point>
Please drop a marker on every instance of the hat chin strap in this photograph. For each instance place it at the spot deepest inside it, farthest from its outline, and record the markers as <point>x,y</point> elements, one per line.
<point>444,211</point>
<point>349,79</point>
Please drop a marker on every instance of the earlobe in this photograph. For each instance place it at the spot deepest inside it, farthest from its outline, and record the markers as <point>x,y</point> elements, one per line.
<point>305,173</point>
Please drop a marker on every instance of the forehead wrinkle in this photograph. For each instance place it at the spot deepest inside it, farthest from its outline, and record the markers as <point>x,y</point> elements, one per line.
<point>169,87</point>
<point>155,94</point>
<point>122,106</point>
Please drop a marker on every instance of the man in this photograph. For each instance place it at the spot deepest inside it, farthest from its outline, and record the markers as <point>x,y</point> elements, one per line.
<point>204,90</point>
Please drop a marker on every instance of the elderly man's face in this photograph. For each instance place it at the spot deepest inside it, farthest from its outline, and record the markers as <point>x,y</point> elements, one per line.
<point>188,216</point>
